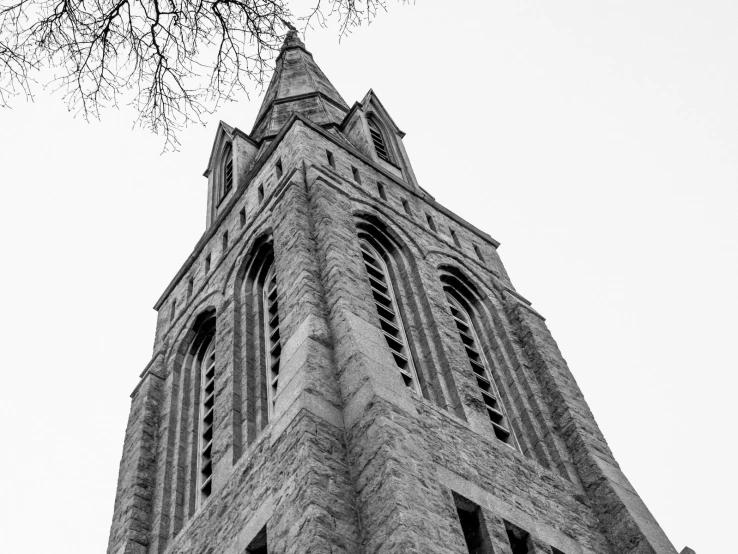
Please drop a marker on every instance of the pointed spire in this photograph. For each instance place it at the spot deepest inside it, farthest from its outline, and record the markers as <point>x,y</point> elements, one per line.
<point>297,86</point>
<point>292,40</point>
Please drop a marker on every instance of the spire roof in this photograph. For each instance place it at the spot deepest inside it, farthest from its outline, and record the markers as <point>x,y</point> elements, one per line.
<point>297,86</point>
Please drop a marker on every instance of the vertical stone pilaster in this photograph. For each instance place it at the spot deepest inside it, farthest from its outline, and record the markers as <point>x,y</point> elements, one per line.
<point>131,528</point>
<point>624,518</point>
<point>227,441</point>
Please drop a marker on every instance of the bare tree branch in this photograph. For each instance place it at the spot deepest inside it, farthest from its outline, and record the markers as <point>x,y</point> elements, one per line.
<point>174,61</point>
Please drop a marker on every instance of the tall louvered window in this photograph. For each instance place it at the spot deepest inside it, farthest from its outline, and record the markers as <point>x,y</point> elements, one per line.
<point>378,139</point>
<point>273,344</point>
<point>480,367</point>
<point>206,360</point>
<point>389,317</point>
<point>227,171</point>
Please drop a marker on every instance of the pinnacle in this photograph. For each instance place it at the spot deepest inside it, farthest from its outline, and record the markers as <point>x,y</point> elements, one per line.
<point>292,40</point>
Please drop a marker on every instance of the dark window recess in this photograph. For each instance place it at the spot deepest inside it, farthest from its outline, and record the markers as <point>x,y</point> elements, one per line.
<point>380,190</point>
<point>379,145</point>
<point>261,193</point>
<point>389,317</point>
<point>278,167</point>
<point>227,171</point>
<point>455,238</point>
<point>478,363</point>
<point>174,309</point>
<point>431,223</point>
<point>190,286</point>
<point>225,241</point>
<point>357,177</point>
<point>242,216</point>
<point>207,264</point>
<point>273,342</point>
<point>555,550</point>
<point>406,207</point>
<point>207,416</point>
<point>331,160</point>
<point>259,544</point>
<point>519,540</point>
<point>470,517</point>
<point>478,253</point>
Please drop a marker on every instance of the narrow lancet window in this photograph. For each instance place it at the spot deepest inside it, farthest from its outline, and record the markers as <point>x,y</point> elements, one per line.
<point>227,171</point>
<point>390,322</point>
<point>480,367</point>
<point>378,139</point>
<point>206,360</point>
<point>272,343</point>
<point>259,340</point>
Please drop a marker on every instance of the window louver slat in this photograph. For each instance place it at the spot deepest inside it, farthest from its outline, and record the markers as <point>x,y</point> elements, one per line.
<point>477,362</point>
<point>389,321</point>
<point>273,340</point>
<point>207,419</point>
<point>379,145</point>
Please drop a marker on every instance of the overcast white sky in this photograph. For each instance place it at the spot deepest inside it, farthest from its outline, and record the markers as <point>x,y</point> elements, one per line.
<point>597,141</point>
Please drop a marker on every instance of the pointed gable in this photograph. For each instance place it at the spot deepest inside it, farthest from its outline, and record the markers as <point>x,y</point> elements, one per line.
<point>235,143</point>
<point>297,86</point>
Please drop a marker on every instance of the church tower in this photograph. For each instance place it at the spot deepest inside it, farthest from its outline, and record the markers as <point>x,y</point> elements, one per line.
<point>342,365</point>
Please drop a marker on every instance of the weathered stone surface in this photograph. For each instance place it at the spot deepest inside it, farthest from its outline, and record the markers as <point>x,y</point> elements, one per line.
<point>350,459</point>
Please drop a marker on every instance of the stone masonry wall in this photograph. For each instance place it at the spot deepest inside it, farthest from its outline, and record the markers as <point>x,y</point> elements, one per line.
<point>353,461</point>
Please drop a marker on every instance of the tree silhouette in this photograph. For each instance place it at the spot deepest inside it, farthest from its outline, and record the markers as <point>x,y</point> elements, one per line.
<point>172,60</point>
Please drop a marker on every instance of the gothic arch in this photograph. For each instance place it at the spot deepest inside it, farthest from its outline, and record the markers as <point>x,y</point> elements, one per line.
<point>257,343</point>
<point>238,267</point>
<point>225,177</point>
<point>380,138</point>
<point>502,351</point>
<point>183,486</point>
<point>376,217</point>
<point>413,307</point>
<point>453,264</point>
<point>465,304</point>
<point>206,305</point>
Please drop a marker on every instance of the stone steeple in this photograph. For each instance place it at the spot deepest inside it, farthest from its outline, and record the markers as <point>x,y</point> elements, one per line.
<point>342,366</point>
<point>297,86</point>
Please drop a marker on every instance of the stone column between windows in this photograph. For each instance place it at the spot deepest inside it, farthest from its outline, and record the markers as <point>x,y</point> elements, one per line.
<point>308,388</point>
<point>398,508</point>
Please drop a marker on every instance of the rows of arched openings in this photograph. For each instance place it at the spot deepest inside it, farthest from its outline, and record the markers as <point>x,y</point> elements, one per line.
<point>258,346</point>
<point>387,270</point>
<point>402,311</point>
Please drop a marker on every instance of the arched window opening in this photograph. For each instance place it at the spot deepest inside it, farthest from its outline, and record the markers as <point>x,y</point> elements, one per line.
<point>380,147</point>
<point>259,340</point>
<point>479,365</point>
<point>273,344</point>
<point>390,321</point>
<point>227,176</point>
<point>205,363</point>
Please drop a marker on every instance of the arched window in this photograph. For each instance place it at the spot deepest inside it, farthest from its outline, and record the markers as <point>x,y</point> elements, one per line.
<point>479,364</point>
<point>380,146</point>
<point>226,171</point>
<point>258,342</point>
<point>204,361</point>
<point>272,344</point>
<point>385,302</point>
